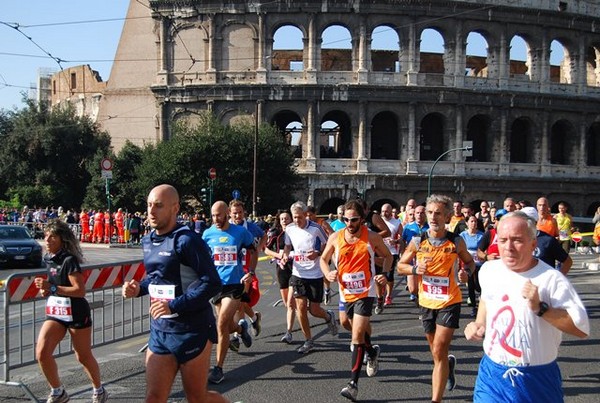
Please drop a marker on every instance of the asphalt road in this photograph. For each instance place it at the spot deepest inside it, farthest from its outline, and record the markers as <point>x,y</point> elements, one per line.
<point>271,371</point>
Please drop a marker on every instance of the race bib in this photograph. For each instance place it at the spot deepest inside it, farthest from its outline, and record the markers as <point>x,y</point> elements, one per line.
<point>59,308</point>
<point>301,258</point>
<point>436,288</point>
<point>225,255</point>
<point>162,292</point>
<point>354,283</point>
<point>473,254</point>
<point>563,235</point>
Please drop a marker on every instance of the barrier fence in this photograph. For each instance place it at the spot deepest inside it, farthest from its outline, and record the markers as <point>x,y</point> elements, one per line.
<point>114,318</point>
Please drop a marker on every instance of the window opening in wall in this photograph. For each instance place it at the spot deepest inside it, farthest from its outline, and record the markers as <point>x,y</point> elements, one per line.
<point>384,136</point>
<point>593,145</point>
<point>560,69</point>
<point>431,52</point>
<point>73,81</point>
<point>288,49</point>
<point>432,137</point>
<point>335,137</point>
<point>385,49</point>
<point>293,135</point>
<point>519,58</point>
<point>54,87</point>
<point>336,49</point>
<point>520,141</point>
<point>476,55</point>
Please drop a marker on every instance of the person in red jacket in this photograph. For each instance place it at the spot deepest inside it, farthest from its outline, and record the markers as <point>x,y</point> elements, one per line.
<point>98,227</point>
<point>84,220</point>
<point>107,227</point>
<point>119,222</point>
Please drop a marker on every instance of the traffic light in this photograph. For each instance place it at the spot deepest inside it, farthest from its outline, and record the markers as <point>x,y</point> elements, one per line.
<point>203,195</point>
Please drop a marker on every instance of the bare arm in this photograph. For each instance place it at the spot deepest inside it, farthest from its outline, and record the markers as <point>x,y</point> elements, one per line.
<point>475,331</point>
<point>378,222</point>
<point>557,317</point>
<point>404,265</point>
<point>566,265</point>
<point>328,252</point>
<point>467,259</point>
<point>381,250</point>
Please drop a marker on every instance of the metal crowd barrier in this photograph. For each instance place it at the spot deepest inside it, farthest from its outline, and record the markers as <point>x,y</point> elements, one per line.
<point>114,318</point>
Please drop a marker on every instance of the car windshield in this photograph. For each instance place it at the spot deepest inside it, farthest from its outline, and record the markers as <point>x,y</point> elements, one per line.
<point>14,233</point>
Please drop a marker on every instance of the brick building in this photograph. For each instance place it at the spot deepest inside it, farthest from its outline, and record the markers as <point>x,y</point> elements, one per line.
<point>372,121</point>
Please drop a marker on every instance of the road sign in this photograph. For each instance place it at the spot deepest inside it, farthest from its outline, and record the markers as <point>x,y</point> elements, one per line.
<point>236,194</point>
<point>576,237</point>
<point>106,164</point>
<point>212,173</point>
<point>106,168</point>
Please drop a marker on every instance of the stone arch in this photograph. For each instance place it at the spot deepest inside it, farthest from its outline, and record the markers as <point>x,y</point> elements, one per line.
<point>431,50</point>
<point>335,135</point>
<point>562,65</point>
<point>188,117</point>
<point>521,140</point>
<point>336,48</point>
<point>432,141</point>
<point>478,131</point>
<point>377,204</point>
<point>290,125</point>
<point>592,208</point>
<point>476,55</point>
<point>330,205</point>
<point>563,143</point>
<point>384,136</point>
<point>592,65</point>
<point>232,116</point>
<point>592,147</point>
<point>238,50</point>
<point>288,48</point>
<point>190,48</point>
<point>385,49</point>
<point>520,59</point>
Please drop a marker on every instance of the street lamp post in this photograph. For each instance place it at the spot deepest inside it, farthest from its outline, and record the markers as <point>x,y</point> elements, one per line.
<point>464,148</point>
<point>255,167</point>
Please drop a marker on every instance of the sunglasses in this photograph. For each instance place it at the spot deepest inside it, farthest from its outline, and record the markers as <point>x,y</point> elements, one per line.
<point>352,220</point>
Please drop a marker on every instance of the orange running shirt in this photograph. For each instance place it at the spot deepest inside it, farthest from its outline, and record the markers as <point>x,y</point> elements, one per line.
<point>356,267</point>
<point>438,288</point>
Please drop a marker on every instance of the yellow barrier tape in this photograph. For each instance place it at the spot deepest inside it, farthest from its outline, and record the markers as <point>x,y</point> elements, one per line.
<point>585,234</point>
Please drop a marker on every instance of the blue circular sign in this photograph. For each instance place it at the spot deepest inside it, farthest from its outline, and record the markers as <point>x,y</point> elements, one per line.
<point>236,194</point>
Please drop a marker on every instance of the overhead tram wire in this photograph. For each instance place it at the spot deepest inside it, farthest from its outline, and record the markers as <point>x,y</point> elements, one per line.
<point>59,61</point>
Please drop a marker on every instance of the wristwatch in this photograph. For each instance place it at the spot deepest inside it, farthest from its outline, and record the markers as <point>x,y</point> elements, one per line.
<point>53,289</point>
<point>543,308</point>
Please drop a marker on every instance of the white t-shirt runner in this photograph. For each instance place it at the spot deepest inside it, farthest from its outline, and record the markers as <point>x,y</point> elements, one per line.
<point>514,334</point>
<point>305,240</point>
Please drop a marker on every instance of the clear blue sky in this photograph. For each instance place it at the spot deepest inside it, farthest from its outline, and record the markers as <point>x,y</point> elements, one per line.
<point>78,32</point>
<point>63,28</point>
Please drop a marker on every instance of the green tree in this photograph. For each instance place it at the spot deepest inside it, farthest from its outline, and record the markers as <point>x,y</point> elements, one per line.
<point>45,154</point>
<point>184,161</point>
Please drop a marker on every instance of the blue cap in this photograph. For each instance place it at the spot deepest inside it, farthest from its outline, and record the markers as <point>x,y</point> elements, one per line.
<point>500,213</point>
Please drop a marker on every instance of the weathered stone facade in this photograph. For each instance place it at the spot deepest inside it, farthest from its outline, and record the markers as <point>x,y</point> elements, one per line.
<point>81,87</point>
<point>535,128</point>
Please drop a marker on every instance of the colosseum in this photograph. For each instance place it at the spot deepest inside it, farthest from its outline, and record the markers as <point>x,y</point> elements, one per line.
<point>373,120</point>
